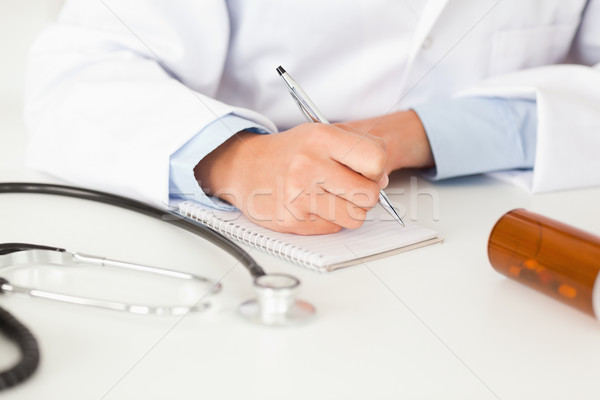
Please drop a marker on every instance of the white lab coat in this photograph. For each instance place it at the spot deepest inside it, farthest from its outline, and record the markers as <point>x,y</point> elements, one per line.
<point>115,87</point>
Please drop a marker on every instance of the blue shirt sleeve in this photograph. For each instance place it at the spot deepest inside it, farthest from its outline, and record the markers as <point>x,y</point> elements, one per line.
<point>473,135</point>
<point>182,183</point>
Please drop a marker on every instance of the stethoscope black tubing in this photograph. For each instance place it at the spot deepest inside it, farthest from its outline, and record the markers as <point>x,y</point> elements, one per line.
<point>22,336</point>
<point>30,352</point>
<point>130,204</point>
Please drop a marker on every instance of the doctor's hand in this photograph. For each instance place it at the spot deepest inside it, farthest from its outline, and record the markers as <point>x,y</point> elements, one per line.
<point>406,142</point>
<point>311,179</point>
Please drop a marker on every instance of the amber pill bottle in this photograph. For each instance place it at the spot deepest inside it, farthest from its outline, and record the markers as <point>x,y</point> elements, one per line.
<point>549,256</point>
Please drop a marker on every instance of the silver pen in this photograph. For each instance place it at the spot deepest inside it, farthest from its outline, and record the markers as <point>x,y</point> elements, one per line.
<point>312,114</point>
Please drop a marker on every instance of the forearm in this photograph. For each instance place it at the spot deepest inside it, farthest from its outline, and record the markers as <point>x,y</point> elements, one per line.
<point>221,172</point>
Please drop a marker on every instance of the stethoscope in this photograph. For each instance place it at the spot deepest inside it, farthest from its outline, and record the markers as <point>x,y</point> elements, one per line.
<point>275,303</point>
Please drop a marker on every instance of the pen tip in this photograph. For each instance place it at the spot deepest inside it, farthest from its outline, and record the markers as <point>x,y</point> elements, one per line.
<point>280,70</point>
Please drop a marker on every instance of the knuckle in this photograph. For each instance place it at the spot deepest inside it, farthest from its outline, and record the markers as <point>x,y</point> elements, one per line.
<point>373,198</point>
<point>366,197</point>
<point>379,159</point>
<point>374,161</point>
<point>316,134</point>
<point>357,218</point>
<point>379,142</point>
<point>376,166</point>
<point>299,164</point>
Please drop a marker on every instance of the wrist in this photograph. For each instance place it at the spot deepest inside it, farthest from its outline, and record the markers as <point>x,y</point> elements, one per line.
<point>409,145</point>
<point>218,172</point>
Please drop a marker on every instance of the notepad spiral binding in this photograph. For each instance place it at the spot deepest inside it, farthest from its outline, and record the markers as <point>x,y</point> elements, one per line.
<point>234,231</point>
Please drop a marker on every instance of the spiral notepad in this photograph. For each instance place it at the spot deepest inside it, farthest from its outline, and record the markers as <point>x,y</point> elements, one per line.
<point>379,236</point>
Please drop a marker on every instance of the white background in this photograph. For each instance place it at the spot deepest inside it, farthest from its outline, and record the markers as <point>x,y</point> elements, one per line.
<point>20,22</point>
<point>436,323</point>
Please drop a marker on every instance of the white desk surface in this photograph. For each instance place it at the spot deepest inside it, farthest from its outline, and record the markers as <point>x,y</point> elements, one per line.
<point>435,323</point>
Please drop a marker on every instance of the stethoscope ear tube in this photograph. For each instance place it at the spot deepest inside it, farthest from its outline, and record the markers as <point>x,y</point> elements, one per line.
<point>9,248</point>
<point>133,205</point>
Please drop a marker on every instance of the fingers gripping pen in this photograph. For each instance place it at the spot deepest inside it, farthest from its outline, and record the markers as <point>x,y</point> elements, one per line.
<point>312,114</point>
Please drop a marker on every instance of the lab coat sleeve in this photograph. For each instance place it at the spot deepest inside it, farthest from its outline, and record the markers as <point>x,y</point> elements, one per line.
<point>474,135</point>
<point>105,108</point>
<point>568,134</point>
<point>568,104</point>
<point>182,182</point>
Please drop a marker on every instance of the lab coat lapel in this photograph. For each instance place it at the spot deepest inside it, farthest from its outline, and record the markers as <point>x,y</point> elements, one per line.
<point>431,13</point>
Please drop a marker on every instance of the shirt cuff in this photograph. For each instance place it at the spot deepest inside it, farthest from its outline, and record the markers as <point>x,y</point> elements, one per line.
<point>473,135</point>
<point>182,182</point>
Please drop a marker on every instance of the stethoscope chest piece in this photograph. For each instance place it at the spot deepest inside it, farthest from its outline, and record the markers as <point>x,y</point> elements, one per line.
<point>276,302</point>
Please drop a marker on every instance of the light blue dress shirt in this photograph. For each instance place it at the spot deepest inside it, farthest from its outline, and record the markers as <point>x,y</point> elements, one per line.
<point>473,135</point>
<point>467,136</point>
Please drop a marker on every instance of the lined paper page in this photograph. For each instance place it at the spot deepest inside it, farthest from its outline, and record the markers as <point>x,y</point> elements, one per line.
<point>380,233</point>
